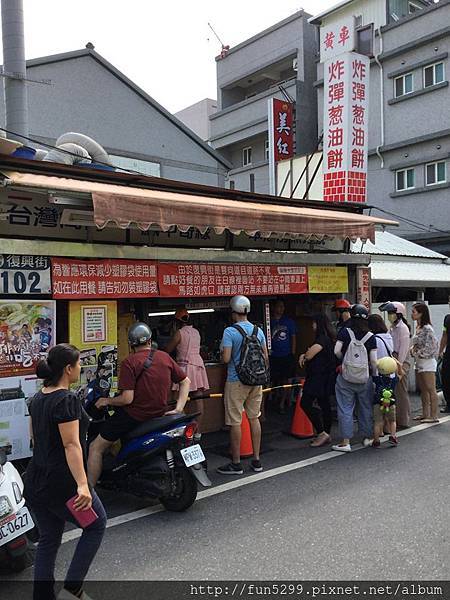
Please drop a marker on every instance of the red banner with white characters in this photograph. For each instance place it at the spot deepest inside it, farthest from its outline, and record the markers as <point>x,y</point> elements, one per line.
<point>364,289</point>
<point>283,134</point>
<point>202,280</point>
<point>345,140</point>
<point>103,279</point>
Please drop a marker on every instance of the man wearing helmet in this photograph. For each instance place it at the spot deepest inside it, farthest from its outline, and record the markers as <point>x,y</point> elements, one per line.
<point>400,335</point>
<point>238,396</point>
<point>342,309</point>
<point>145,379</point>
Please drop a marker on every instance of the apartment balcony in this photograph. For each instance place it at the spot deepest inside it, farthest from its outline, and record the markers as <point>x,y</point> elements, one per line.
<point>247,118</point>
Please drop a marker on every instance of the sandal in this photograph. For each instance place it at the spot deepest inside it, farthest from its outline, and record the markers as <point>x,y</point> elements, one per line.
<point>320,440</point>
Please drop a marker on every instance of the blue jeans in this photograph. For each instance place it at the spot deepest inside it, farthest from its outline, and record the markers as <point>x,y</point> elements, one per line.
<point>51,522</point>
<point>347,395</point>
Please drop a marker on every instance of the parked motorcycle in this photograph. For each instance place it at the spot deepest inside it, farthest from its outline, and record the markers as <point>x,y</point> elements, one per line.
<point>160,458</point>
<point>15,518</point>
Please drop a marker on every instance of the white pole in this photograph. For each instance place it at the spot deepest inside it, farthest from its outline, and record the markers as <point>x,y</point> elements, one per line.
<point>272,173</point>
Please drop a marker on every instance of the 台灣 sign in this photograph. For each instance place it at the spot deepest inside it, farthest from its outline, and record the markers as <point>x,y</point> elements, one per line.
<point>24,275</point>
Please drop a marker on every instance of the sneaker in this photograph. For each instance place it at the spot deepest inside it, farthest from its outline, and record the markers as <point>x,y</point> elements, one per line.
<point>366,442</point>
<point>376,444</point>
<point>256,466</point>
<point>339,448</point>
<point>231,469</point>
<point>393,440</point>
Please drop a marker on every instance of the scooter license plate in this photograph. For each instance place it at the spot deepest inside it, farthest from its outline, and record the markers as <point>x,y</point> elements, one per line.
<point>192,455</point>
<point>21,523</point>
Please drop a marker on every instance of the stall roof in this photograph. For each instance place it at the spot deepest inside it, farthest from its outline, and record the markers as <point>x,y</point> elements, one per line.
<point>388,244</point>
<point>144,207</point>
<point>410,274</point>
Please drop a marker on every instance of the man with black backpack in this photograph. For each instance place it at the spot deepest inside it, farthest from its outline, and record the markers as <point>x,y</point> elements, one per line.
<point>244,350</point>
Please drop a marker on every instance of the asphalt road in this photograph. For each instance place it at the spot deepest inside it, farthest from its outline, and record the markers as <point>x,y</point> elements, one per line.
<point>372,514</point>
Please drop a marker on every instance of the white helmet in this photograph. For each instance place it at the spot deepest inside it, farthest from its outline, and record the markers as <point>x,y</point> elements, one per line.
<point>394,307</point>
<point>240,305</point>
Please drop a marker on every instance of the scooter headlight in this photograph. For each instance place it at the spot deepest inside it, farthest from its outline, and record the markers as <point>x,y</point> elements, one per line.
<point>17,492</point>
<point>5,506</point>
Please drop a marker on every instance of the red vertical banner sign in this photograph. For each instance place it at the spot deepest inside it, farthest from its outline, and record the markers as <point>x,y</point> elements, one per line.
<point>364,287</point>
<point>283,135</point>
<point>345,141</point>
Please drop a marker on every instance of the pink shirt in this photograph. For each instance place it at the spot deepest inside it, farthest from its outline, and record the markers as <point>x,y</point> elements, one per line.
<point>400,337</point>
<point>188,350</point>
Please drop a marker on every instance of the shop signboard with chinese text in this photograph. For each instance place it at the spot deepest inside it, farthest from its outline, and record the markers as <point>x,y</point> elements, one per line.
<point>282,129</point>
<point>323,243</point>
<point>27,332</point>
<point>327,280</point>
<point>337,38</point>
<point>364,289</point>
<point>24,275</point>
<point>346,95</point>
<point>203,280</point>
<point>32,216</point>
<point>96,279</point>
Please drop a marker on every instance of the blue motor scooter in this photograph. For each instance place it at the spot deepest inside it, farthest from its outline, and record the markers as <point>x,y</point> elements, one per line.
<point>160,458</point>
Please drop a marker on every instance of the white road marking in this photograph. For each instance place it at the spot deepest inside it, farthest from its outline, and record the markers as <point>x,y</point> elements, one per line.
<point>237,483</point>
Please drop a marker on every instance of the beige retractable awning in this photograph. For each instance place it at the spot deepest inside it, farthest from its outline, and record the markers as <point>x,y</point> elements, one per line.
<point>145,208</point>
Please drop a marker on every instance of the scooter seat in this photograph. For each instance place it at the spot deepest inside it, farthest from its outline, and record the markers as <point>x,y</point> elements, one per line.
<point>154,425</point>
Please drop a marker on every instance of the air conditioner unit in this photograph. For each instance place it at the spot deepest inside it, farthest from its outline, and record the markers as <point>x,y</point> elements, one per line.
<point>295,64</point>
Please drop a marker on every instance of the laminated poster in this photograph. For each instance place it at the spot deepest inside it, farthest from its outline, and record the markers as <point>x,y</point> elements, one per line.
<point>27,332</point>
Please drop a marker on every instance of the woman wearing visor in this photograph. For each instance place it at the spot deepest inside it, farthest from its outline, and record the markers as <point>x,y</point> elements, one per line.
<point>400,333</point>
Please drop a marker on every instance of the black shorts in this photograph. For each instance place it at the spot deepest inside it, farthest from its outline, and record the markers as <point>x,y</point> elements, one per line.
<point>118,425</point>
<point>282,368</point>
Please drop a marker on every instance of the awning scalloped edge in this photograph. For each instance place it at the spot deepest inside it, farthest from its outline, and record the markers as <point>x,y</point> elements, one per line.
<point>220,230</point>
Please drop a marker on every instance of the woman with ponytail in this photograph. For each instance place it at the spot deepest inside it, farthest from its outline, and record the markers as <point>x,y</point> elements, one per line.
<point>57,473</point>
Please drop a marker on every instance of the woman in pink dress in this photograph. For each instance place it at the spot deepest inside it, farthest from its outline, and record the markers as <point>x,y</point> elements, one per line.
<point>186,342</point>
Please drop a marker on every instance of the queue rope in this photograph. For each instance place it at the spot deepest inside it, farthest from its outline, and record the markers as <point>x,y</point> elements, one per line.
<point>270,389</point>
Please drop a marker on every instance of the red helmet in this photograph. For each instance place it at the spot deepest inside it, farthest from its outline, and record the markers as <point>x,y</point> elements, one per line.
<point>341,303</point>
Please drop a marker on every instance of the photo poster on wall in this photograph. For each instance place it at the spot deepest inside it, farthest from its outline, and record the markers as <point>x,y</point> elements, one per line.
<point>93,330</point>
<point>27,332</point>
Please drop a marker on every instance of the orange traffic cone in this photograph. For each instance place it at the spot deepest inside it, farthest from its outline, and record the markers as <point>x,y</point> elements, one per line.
<point>246,438</point>
<point>301,426</point>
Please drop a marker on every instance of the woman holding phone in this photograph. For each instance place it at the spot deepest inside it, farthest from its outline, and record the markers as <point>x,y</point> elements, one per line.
<point>56,476</point>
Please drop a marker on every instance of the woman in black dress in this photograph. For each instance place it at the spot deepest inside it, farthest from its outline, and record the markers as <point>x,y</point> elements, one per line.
<point>57,473</point>
<point>320,366</point>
